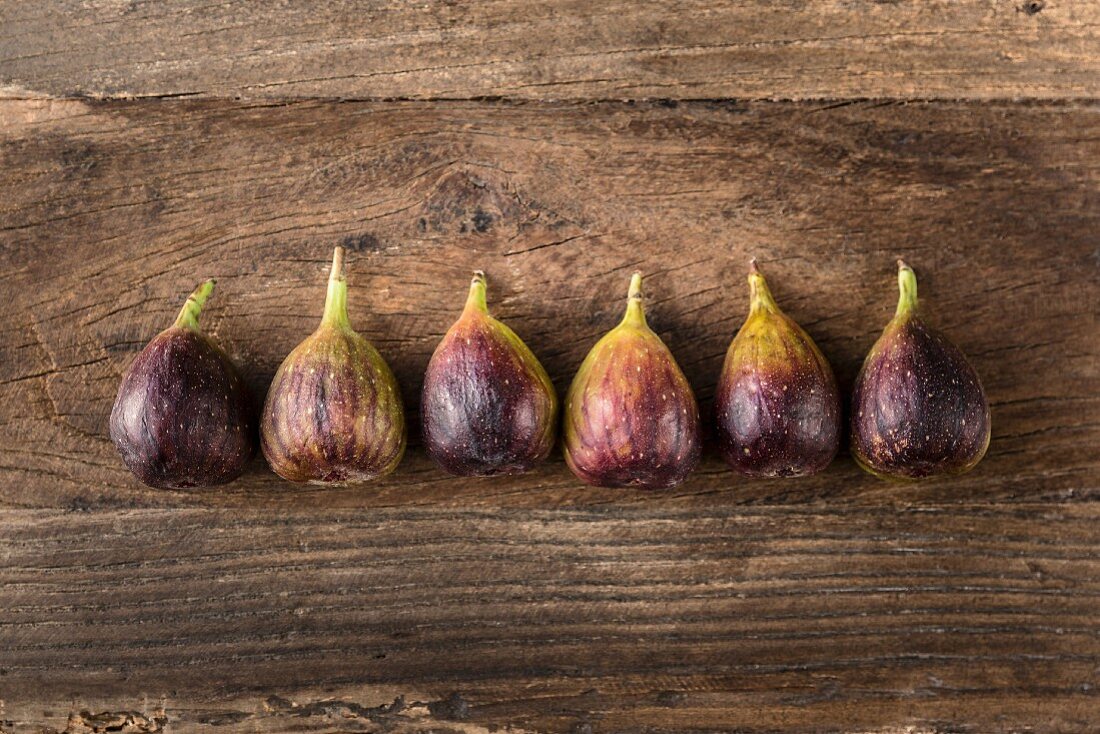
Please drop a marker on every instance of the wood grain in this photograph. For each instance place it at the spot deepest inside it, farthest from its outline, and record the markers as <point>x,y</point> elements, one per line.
<point>426,603</point>
<point>646,618</point>
<point>113,211</point>
<point>560,49</point>
<point>499,135</point>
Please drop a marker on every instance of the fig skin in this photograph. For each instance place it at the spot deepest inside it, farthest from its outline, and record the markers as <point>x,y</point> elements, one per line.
<point>487,407</point>
<point>333,413</point>
<point>918,407</point>
<point>777,406</point>
<point>183,416</point>
<point>630,414</point>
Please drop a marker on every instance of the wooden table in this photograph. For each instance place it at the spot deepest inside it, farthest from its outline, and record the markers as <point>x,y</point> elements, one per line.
<point>557,145</point>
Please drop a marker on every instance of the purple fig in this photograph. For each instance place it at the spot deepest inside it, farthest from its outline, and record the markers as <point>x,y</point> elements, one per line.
<point>488,406</point>
<point>777,404</point>
<point>183,416</point>
<point>918,407</point>
<point>333,413</point>
<point>630,415</point>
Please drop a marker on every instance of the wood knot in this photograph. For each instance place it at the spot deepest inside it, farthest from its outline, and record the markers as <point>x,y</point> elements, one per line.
<point>470,203</point>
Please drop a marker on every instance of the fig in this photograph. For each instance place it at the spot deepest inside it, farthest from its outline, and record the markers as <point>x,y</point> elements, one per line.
<point>777,404</point>
<point>488,406</point>
<point>630,415</point>
<point>183,416</point>
<point>918,407</point>
<point>333,413</point>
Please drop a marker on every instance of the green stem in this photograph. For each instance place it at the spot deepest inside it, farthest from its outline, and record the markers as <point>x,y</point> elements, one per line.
<point>907,286</point>
<point>336,302</point>
<point>760,296</point>
<point>635,312</point>
<point>189,314</point>
<point>476,299</point>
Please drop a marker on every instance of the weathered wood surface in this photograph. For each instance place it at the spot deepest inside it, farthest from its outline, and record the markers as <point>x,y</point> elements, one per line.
<point>560,49</point>
<point>644,618</point>
<point>832,603</point>
<point>112,212</point>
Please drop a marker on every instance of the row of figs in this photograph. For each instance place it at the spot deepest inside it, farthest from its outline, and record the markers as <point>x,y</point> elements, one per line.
<point>184,418</point>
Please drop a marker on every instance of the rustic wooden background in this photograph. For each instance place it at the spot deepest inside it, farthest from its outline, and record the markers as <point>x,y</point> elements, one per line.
<point>557,145</point>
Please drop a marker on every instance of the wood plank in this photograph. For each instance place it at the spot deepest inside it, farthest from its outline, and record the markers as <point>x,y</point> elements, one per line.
<point>111,212</point>
<point>559,49</point>
<point>747,619</point>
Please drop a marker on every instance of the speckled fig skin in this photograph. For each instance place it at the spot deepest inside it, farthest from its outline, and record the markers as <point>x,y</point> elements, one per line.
<point>918,407</point>
<point>488,406</point>
<point>183,416</point>
<point>333,413</point>
<point>630,414</point>
<point>777,406</point>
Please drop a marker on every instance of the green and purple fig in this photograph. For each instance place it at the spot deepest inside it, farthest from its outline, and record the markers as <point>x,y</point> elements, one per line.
<point>183,416</point>
<point>777,404</point>
<point>488,406</point>
<point>918,407</point>
<point>333,413</point>
<point>630,415</point>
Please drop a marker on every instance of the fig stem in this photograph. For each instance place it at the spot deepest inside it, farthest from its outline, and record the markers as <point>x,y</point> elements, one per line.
<point>760,296</point>
<point>635,311</point>
<point>476,299</point>
<point>189,314</point>
<point>336,301</point>
<point>907,287</point>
